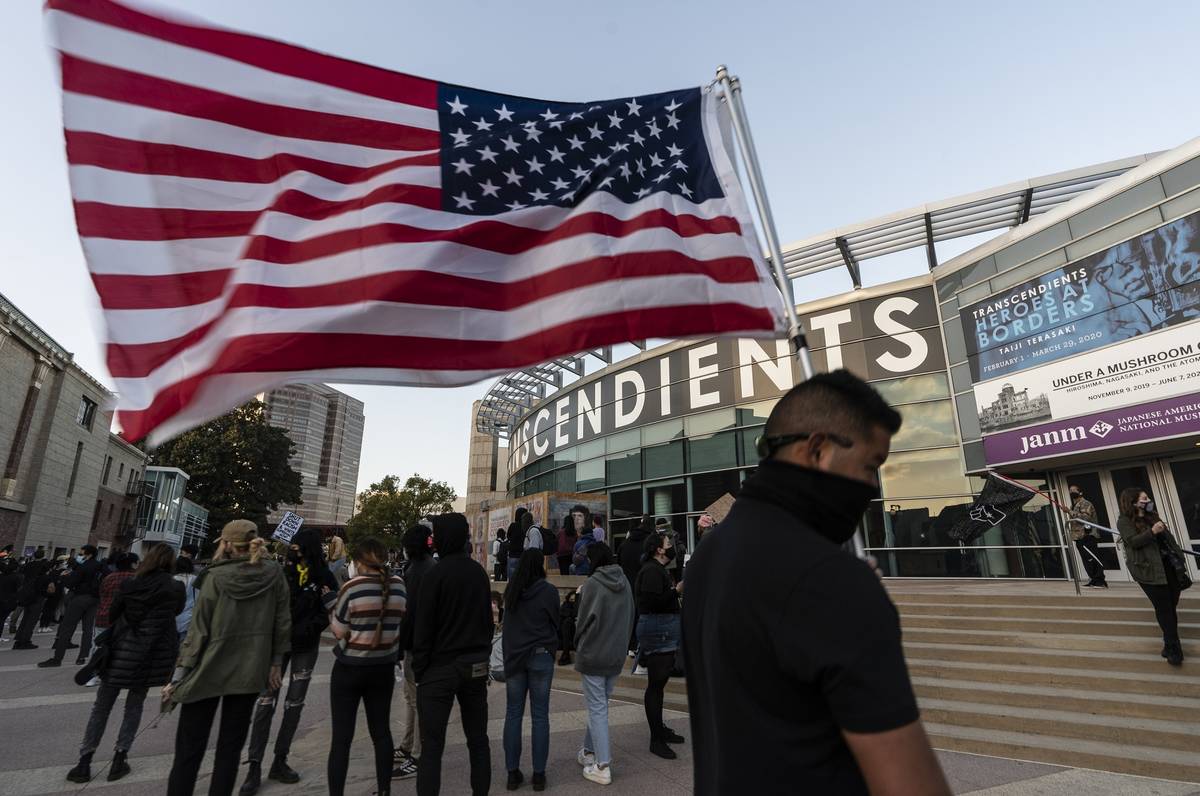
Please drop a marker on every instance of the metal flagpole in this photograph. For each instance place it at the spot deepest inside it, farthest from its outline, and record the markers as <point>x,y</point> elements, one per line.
<point>733,94</point>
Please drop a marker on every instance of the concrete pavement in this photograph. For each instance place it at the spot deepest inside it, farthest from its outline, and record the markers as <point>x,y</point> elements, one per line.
<point>42,714</point>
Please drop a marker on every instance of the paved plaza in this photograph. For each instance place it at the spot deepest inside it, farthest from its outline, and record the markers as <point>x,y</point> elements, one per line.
<point>42,714</point>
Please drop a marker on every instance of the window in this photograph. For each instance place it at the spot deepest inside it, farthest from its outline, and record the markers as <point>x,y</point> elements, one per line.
<point>86,413</point>
<point>927,425</point>
<point>589,475</point>
<point>75,467</point>
<point>622,468</point>
<point>111,506</point>
<point>96,513</point>
<point>663,460</point>
<point>626,440</point>
<point>564,479</point>
<point>662,432</point>
<point>108,460</point>
<point>713,452</point>
<point>913,388</point>
<point>120,470</point>
<point>922,473</point>
<point>755,414</point>
<point>708,488</point>
<point>709,422</point>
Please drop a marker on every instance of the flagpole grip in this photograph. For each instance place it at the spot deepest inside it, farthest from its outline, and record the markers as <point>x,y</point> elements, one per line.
<point>737,111</point>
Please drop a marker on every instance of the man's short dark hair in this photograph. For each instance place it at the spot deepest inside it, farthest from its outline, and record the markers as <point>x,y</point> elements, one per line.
<point>191,549</point>
<point>89,550</point>
<point>837,402</point>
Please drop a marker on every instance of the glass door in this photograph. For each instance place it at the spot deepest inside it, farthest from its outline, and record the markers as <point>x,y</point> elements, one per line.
<point>1095,486</point>
<point>1182,477</point>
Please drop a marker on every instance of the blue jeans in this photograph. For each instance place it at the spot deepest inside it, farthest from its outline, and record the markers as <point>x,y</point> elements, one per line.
<point>535,680</point>
<point>597,689</point>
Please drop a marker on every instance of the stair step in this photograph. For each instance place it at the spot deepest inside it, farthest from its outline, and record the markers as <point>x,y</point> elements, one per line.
<point>1131,732</point>
<point>1147,706</point>
<point>1107,682</point>
<point>1080,661</point>
<point>1034,593</point>
<point>1048,626</point>
<point>1140,645</point>
<point>1142,613</point>
<point>1105,756</point>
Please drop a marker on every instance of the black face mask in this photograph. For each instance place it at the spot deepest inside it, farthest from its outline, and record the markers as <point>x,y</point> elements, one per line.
<point>293,556</point>
<point>669,553</point>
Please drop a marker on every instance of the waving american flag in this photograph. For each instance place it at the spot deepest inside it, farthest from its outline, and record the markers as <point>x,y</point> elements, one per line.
<point>254,213</point>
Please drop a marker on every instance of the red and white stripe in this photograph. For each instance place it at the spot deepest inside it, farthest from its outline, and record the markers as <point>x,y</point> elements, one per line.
<point>254,213</point>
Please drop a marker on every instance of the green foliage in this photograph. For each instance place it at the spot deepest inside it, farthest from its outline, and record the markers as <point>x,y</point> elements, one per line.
<point>387,510</point>
<point>238,465</point>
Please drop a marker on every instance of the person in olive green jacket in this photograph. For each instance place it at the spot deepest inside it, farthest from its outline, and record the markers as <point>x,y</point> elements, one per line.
<point>1149,549</point>
<point>241,629</point>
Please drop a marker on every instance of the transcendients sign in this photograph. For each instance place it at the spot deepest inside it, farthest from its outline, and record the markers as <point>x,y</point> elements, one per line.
<point>1147,367</point>
<point>1133,288</point>
<point>876,338</point>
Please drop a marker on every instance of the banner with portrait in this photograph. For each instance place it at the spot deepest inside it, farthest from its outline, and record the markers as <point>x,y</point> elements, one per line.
<point>1135,287</point>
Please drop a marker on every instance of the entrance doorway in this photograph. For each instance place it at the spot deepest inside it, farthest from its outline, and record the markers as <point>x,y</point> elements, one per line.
<point>1173,484</point>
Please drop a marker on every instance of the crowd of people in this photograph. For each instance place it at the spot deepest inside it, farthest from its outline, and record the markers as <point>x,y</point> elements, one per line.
<point>799,668</point>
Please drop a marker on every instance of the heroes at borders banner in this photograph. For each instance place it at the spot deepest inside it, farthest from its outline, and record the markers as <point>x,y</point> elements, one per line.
<point>1135,287</point>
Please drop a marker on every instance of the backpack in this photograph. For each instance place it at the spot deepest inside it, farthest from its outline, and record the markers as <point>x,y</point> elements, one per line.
<point>549,542</point>
<point>579,559</point>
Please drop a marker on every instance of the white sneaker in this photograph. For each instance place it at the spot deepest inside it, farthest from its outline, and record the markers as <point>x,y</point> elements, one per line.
<point>585,758</point>
<point>601,776</point>
<point>95,681</point>
<point>639,669</point>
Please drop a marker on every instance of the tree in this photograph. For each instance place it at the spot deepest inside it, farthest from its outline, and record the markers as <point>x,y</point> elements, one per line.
<point>387,510</point>
<point>238,463</point>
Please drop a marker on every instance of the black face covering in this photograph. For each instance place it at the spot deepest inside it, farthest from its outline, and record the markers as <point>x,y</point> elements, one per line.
<point>669,553</point>
<point>830,504</point>
<point>293,556</point>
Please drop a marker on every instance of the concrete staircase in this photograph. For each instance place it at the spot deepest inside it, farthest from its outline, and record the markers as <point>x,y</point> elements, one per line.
<point>1029,670</point>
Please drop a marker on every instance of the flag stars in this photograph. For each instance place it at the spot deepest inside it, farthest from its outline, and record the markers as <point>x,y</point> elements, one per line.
<point>679,164</point>
<point>504,113</point>
<point>683,189</point>
<point>556,155</point>
<point>489,189</point>
<point>535,166</point>
<point>538,195</point>
<point>595,132</point>
<point>643,192</point>
<point>457,106</point>
<point>513,177</point>
<point>515,206</point>
<point>614,120</point>
<point>655,160</point>
<point>575,142</point>
<point>653,129</point>
<point>487,154</point>
<point>674,151</point>
<point>607,181</point>
<point>482,124</point>
<point>533,133</point>
<point>574,116</point>
<point>462,166</point>
<point>625,170</point>
<point>672,121</point>
<point>599,161</point>
<point>674,106</point>
<point>580,172</point>
<point>637,138</point>
<point>560,184</point>
<point>549,115</point>
<point>633,106</point>
<point>661,177</point>
<point>462,201</point>
<point>460,138</point>
<point>620,146</point>
<point>510,144</point>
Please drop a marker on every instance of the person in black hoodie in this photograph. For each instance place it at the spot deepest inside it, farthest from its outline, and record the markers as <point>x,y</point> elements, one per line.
<point>531,617</point>
<point>631,556</point>
<point>10,585</point>
<point>516,540</point>
<point>796,677</point>
<point>418,560</point>
<point>83,579</point>
<point>308,578</point>
<point>35,583</point>
<point>141,650</point>
<point>452,641</point>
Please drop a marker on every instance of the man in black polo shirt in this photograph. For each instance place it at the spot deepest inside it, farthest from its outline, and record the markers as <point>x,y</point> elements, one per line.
<point>795,674</point>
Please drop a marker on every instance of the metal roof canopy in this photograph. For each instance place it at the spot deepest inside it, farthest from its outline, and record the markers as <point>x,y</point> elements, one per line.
<point>1002,207</point>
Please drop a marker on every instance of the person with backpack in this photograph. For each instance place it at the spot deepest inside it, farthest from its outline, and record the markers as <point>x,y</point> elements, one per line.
<point>579,557</point>
<point>139,654</point>
<point>83,580</point>
<point>603,625</point>
<point>500,556</point>
<point>241,630</point>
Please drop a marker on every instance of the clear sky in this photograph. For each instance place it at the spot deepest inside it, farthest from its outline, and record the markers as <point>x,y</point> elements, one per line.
<point>858,109</point>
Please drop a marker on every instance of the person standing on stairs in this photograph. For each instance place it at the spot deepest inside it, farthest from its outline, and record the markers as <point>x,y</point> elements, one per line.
<point>1154,560</point>
<point>1085,538</point>
<point>657,597</point>
<point>796,676</point>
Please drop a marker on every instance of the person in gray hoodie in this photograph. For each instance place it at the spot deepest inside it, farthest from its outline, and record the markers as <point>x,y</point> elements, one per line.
<point>603,625</point>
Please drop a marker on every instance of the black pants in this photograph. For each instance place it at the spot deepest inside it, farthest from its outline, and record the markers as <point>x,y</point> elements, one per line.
<point>81,608</point>
<point>6,609</point>
<point>371,684</point>
<point>1165,599</point>
<point>191,739</point>
<point>658,672</point>
<point>436,691</point>
<point>29,618</point>
<point>1089,547</point>
<point>564,565</point>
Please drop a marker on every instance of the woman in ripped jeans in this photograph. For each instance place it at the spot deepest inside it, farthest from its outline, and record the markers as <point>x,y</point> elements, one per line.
<point>308,577</point>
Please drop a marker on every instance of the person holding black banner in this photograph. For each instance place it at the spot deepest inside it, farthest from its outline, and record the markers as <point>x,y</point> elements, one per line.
<point>1085,538</point>
<point>1154,560</point>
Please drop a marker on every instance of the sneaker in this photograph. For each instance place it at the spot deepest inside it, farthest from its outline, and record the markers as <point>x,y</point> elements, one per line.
<point>95,681</point>
<point>1175,654</point>
<point>639,669</point>
<point>539,780</point>
<point>659,747</point>
<point>50,663</point>
<point>282,772</point>
<point>515,778</point>
<point>405,770</point>
<point>1101,584</point>
<point>24,646</point>
<point>586,758</point>
<point>601,776</point>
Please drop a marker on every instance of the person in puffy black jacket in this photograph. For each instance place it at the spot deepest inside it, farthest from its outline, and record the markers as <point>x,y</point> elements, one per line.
<point>308,577</point>
<point>141,651</point>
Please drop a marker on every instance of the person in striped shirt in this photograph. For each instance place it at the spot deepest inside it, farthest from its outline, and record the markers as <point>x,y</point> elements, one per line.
<point>365,620</point>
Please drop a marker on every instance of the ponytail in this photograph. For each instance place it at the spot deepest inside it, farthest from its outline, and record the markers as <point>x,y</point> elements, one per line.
<point>257,546</point>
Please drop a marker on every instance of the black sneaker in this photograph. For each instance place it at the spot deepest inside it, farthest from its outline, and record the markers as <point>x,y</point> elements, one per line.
<point>253,779</point>
<point>50,663</point>
<point>515,779</point>
<point>24,645</point>
<point>82,771</point>
<point>119,768</point>
<point>539,780</point>
<point>1175,654</point>
<point>659,747</point>
<point>670,736</point>
<point>282,772</point>
<point>406,769</point>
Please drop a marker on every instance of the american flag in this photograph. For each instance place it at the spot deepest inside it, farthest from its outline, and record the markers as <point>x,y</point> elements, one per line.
<point>254,213</point>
